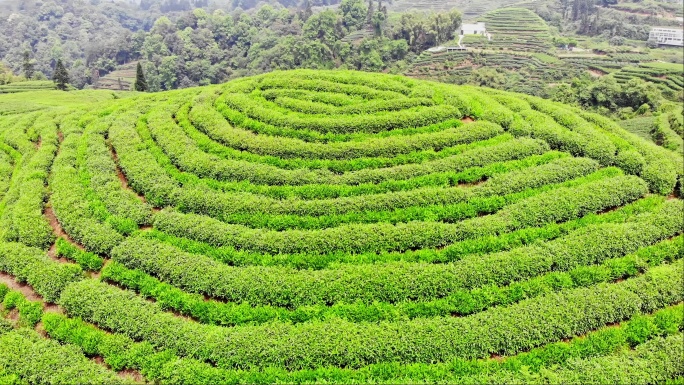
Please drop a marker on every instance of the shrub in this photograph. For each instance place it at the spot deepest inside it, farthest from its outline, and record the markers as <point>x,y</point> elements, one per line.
<point>302,346</point>
<point>47,277</point>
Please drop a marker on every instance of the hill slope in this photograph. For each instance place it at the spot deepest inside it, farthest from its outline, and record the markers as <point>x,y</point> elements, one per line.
<point>469,8</point>
<point>314,226</point>
<point>516,29</point>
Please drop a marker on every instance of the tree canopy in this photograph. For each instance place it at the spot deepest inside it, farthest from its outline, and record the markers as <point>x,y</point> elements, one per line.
<point>194,46</point>
<point>61,76</point>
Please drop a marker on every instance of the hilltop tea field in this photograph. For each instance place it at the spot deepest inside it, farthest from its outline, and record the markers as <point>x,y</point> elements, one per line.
<point>334,227</point>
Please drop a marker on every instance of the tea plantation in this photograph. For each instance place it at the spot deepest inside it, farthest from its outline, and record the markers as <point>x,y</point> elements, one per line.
<point>335,227</point>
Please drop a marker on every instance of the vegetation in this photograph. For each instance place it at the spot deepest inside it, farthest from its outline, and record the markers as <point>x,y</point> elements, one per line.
<point>140,82</point>
<point>180,47</point>
<point>516,29</point>
<point>554,49</point>
<point>335,226</point>
<point>60,76</point>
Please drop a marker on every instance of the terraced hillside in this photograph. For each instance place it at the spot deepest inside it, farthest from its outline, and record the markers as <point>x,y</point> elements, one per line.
<point>314,226</point>
<point>670,81</point>
<point>516,29</point>
<point>668,129</point>
<point>121,79</point>
<point>668,77</point>
<point>37,85</point>
<point>665,129</point>
<point>469,8</point>
<point>535,70</point>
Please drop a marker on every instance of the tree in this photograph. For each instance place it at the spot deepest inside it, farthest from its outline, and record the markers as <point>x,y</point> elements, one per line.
<point>487,77</point>
<point>353,14</point>
<point>61,76</point>
<point>378,20</point>
<point>616,41</point>
<point>325,27</point>
<point>28,66</point>
<point>6,75</point>
<point>140,82</point>
<point>308,12</point>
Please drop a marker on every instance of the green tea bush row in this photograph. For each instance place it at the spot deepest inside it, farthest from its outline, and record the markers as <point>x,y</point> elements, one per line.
<point>242,121</point>
<point>221,205</point>
<point>205,201</point>
<point>506,241</point>
<point>395,83</point>
<point>97,208</point>
<point>470,175</point>
<point>553,206</point>
<point>258,87</point>
<point>121,352</point>
<point>87,261</point>
<point>264,111</point>
<point>478,137</point>
<point>31,265</point>
<point>369,107</point>
<point>393,282</point>
<point>36,360</point>
<point>655,361</point>
<point>22,219</point>
<point>30,312</point>
<point>637,330</point>
<point>453,252</point>
<point>209,121</point>
<point>318,191</point>
<point>6,171</point>
<point>328,98</point>
<point>17,138</point>
<point>661,168</point>
<point>543,126</point>
<point>676,120</point>
<point>460,302</point>
<point>537,124</point>
<point>185,153</point>
<point>480,106</point>
<point>598,146</point>
<point>364,90</point>
<point>471,203</point>
<point>11,194</point>
<point>98,169</point>
<point>666,136</point>
<point>4,289</point>
<point>72,205</point>
<point>317,344</point>
<point>141,169</point>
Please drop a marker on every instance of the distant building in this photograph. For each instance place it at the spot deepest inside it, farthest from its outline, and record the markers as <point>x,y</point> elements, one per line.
<point>447,49</point>
<point>667,36</point>
<point>474,29</point>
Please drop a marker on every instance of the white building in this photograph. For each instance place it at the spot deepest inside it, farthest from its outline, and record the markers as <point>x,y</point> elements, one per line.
<point>474,29</point>
<point>667,36</point>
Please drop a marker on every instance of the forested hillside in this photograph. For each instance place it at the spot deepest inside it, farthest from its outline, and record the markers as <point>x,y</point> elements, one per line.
<point>204,46</point>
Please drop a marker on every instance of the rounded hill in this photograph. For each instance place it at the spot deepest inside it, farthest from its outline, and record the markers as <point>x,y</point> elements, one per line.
<point>337,226</point>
